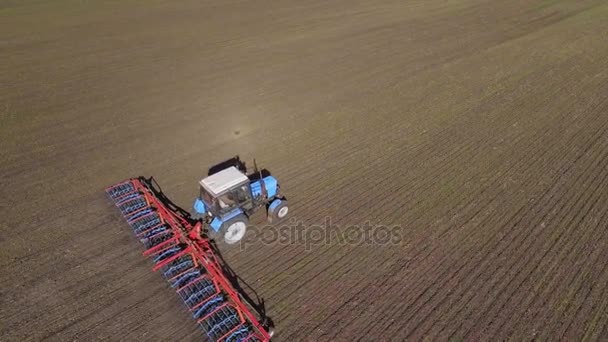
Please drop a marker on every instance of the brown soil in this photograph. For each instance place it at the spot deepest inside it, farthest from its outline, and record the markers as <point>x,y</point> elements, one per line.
<point>479,127</point>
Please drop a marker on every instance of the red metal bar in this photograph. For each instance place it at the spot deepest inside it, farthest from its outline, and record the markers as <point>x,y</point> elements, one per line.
<point>212,312</point>
<point>157,249</point>
<point>182,273</point>
<point>240,306</point>
<point>169,260</point>
<point>131,214</point>
<point>161,233</point>
<point>143,217</point>
<point>191,282</point>
<point>217,291</point>
<point>162,221</point>
<point>147,201</point>
<point>143,232</point>
<point>119,184</point>
<point>119,200</point>
<point>231,331</point>
<point>201,253</point>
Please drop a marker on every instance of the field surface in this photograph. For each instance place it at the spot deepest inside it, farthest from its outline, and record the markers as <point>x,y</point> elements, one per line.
<point>478,128</point>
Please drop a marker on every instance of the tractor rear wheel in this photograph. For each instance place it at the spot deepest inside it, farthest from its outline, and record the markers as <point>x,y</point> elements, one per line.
<point>234,229</point>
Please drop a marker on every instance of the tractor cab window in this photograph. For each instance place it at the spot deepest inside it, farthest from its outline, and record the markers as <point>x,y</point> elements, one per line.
<point>206,197</point>
<point>243,193</point>
<point>235,197</point>
<point>226,200</point>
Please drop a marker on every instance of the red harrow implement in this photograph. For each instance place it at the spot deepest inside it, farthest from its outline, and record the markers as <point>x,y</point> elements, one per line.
<point>189,262</point>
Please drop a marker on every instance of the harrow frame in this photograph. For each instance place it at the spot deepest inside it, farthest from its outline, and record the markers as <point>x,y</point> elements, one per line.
<point>189,262</point>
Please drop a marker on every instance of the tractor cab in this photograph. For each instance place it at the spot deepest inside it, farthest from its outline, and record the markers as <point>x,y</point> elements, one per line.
<point>225,191</point>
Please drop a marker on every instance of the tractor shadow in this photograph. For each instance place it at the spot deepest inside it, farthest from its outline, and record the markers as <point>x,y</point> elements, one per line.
<point>236,161</point>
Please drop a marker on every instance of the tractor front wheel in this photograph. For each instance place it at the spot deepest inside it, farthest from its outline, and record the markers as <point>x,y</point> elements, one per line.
<point>277,210</point>
<point>234,229</point>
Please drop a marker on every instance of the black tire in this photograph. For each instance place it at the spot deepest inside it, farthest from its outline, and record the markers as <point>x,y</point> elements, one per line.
<point>278,212</point>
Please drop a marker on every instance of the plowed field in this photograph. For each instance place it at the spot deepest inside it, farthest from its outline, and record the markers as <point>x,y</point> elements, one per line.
<point>476,130</point>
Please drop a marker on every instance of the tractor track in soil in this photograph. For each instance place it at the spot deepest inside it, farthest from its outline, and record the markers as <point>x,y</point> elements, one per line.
<point>479,128</point>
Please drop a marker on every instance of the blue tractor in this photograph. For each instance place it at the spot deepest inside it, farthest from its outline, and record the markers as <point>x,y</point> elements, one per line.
<point>229,195</point>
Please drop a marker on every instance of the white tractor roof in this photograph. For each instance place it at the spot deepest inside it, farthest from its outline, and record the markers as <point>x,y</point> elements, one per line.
<point>223,180</point>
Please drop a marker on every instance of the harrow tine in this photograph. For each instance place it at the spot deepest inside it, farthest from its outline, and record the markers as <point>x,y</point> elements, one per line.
<point>222,321</point>
<point>169,260</point>
<point>127,197</point>
<point>221,326</point>
<point>137,214</point>
<point>172,279</point>
<point>185,277</point>
<point>152,233</point>
<point>190,283</point>
<point>159,248</point>
<point>144,218</point>
<point>132,206</point>
<point>211,291</point>
<point>157,239</point>
<point>187,262</point>
<point>142,231</point>
<point>196,296</point>
<point>167,253</point>
<point>208,304</point>
<point>239,329</point>
<point>212,312</point>
<point>120,189</point>
<point>178,268</point>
